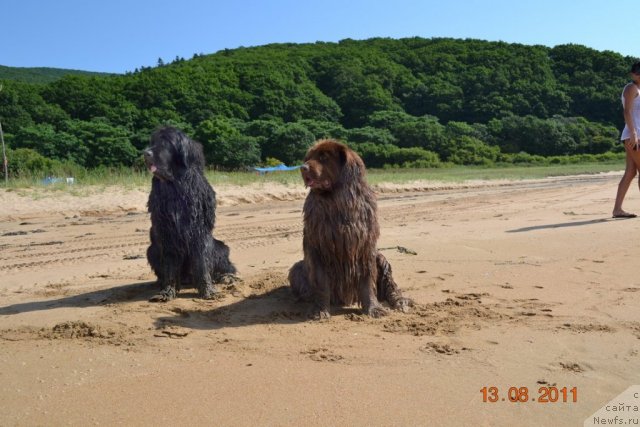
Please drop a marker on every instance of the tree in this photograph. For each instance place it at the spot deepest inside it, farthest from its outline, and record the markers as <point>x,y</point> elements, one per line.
<point>472,151</point>
<point>289,144</point>
<point>225,147</point>
<point>324,129</point>
<point>50,143</point>
<point>106,145</point>
<point>370,134</point>
<point>380,155</point>
<point>401,92</point>
<point>425,132</point>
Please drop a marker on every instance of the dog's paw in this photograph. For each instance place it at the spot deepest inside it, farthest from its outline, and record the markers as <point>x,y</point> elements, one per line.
<point>165,295</point>
<point>319,315</point>
<point>208,292</point>
<point>376,311</point>
<point>227,279</point>
<point>403,304</point>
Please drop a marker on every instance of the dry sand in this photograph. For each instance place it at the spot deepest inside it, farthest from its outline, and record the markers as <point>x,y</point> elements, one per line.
<point>522,284</point>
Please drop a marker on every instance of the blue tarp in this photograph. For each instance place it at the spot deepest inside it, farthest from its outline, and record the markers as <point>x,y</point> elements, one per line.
<point>280,167</point>
<point>52,180</point>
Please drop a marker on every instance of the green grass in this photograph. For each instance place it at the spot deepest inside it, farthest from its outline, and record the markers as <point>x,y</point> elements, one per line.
<point>129,179</point>
<point>451,174</point>
<point>467,173</point>
<point>125,178</point>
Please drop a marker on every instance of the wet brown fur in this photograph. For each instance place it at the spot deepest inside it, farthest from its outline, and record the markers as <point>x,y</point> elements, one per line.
<point>341,263</point>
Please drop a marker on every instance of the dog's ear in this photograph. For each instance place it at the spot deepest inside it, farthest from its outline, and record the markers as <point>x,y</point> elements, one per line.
<point>352,165</point>
<point>189,152</point>
<point>194,157</point>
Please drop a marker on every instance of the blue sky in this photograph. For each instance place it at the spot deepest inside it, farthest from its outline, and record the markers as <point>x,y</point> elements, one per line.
<point>122,35</point>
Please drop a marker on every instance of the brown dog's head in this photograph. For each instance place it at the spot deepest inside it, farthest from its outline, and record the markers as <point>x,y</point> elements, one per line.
<point>329,165</point>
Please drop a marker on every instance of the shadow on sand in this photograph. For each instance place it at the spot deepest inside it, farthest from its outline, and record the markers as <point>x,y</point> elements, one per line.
<point>276,306</point>
<point>131,292</point>
<point>562,225</point>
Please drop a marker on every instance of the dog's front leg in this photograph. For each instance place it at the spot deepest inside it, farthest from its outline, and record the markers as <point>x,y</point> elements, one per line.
<point>321,293</point>
<point>169,281</point>
<point>202,276</point>
<point>367,295</point>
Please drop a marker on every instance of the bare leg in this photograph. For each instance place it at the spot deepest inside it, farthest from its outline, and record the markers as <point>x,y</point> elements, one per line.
<point>630,171</point>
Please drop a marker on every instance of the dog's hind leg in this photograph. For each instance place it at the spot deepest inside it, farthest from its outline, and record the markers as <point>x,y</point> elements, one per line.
<point>299,282</point>
<point>302,287</point>
<point>387,289</point>
<point>223,270</point>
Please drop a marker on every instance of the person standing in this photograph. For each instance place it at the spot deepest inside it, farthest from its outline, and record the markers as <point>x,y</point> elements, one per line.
<point>629,137</point>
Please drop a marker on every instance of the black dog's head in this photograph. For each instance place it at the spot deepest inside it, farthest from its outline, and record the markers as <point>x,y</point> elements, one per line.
<point>329,165</point>
<point>171,153</point>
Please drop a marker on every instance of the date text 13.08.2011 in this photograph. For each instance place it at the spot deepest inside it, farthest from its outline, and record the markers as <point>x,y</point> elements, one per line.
<point>546,394</point>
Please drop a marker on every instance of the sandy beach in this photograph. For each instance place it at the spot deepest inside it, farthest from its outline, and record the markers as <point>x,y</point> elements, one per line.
<point>525,285</point>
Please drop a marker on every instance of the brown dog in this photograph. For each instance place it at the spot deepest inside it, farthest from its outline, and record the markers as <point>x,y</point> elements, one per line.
<point>341,263</point>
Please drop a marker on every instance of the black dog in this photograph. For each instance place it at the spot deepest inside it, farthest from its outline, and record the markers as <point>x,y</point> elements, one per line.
<point>182,205</point>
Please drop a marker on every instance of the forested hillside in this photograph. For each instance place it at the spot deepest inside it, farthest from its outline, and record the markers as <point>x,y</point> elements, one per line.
<point>41,74</point>
<point>409,102</point>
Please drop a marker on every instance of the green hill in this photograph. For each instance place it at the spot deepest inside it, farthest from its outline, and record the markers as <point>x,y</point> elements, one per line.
<point>41,74</point>
<point>410,102</point>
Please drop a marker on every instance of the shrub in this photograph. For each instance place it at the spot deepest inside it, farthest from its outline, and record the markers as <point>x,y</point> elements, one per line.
<point>25,162</point>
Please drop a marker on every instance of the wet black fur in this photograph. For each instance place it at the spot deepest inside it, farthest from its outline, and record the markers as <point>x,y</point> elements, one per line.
<point>182,205</point>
